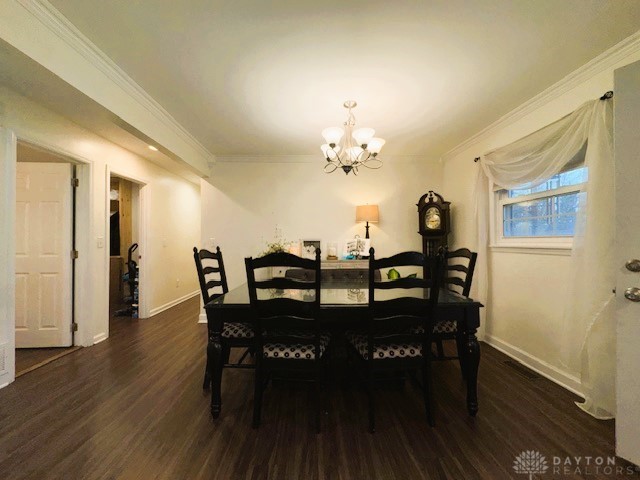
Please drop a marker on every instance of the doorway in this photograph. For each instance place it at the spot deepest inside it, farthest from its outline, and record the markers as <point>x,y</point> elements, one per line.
<point>124,251</point>
<point>44,260</point>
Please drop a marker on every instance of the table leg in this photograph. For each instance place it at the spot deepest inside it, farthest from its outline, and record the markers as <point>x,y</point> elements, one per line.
<point>215,363</point>
<point>472,361</point>
<point>461,349</point>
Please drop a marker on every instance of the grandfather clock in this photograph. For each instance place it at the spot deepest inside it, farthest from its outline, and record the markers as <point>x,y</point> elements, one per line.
<point>433,222</point>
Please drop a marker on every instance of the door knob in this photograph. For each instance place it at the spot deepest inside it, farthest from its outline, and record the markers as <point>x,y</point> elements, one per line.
<point>633,294</point>
<point>633,265</point>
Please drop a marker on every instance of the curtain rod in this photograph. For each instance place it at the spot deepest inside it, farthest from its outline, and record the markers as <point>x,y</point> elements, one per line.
<point>606,96</point>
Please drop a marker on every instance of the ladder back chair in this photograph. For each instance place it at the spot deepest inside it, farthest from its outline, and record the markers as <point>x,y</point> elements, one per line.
<point>392,340</point>
<point>213,284</point>
<point>458,275</point>
<point>287,325</point>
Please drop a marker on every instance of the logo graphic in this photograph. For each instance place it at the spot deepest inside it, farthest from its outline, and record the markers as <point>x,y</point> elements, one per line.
<point>530,462</point>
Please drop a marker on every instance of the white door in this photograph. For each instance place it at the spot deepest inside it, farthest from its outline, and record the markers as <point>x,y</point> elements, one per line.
<point>43,255</point>
<point>627,162</point>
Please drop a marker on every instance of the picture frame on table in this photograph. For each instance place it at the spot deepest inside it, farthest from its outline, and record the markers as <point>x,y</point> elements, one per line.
<point>309,248</point>
<point>356,248</point>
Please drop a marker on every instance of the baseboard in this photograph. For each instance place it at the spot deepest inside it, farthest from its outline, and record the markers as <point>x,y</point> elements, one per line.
<point>202,318</point>
<point>564,379</point>
<point>101,337</point>
<point>173,303</point>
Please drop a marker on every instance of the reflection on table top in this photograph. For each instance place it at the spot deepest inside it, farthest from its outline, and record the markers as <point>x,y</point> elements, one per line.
<point>342,294</point>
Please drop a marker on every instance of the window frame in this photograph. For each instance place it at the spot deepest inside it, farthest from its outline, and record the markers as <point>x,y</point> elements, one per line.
<point>499,198</point>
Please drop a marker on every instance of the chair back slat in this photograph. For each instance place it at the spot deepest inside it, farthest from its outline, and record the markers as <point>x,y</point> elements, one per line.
<point>462,260</point>
<point>283,259</point>
<point>207,284</point>
<point>207,254</point>
<point>455,281</point>
<point>213,284</point>
<point>402,283</point>
<point>404,259</point>
<point>209,270</point>
<point>284,283</point>
<point>457,268</point>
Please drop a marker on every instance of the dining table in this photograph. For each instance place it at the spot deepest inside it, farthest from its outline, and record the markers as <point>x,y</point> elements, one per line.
<point>344,305</point>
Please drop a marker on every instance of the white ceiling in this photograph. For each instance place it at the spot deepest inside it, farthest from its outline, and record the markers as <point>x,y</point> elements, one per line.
<point>259,77</point>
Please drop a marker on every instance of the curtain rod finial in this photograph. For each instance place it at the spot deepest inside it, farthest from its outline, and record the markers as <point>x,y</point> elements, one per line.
<point>607,95</point>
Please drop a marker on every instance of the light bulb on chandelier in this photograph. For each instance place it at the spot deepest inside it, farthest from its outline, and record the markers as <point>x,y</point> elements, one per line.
<point>359,148</point>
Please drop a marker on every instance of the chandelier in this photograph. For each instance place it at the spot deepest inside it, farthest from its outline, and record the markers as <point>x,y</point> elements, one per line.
<point>359,148</point>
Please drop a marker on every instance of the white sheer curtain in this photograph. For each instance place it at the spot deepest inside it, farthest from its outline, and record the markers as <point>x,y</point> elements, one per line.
<point>588,316</point>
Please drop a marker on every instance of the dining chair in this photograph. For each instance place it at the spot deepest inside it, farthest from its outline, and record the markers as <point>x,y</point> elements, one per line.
<point>458,275</point>
<point>288,336</point>
<point>391,341</point>
<point>213,284</point>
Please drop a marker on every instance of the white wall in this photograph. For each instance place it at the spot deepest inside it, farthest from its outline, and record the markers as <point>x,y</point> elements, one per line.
<point>7,255</point>
<point>171,214</point>
<point>527,291</point>
<point>243,202</point>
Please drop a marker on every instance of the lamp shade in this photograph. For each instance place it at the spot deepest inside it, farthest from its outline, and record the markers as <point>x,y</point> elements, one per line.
<point>375,145</point>
<point>332,135</point>
<point>363,135</point>
<point>367,213</point>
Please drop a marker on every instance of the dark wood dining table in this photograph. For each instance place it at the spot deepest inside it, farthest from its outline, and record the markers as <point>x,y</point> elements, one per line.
<point>344,305</point>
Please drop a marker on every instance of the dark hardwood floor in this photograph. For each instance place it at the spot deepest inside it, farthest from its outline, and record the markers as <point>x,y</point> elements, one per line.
<point>28,359</point>
<point>132,407</point>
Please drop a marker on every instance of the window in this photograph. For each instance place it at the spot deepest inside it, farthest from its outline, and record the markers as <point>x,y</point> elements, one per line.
<point>541,216</point>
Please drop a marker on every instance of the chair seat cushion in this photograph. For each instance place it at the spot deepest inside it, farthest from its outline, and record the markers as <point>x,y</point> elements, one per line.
<point>295,351</point>
<point>443,326</point>
<point>237,330</point>
<point>383,350</point>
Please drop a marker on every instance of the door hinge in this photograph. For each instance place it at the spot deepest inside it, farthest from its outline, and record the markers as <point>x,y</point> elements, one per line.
<point>74,327</point>
<point>74,254</point>
<point>75,182</point>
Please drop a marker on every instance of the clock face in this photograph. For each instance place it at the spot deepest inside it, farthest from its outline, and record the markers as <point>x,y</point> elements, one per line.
<point>432,219</point>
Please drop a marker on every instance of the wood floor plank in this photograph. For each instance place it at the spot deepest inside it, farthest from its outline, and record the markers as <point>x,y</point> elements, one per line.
<point>132,407</point>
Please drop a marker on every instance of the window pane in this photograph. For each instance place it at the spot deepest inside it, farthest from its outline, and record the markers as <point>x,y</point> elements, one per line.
<point>564,179</point>
<point>552,216</point>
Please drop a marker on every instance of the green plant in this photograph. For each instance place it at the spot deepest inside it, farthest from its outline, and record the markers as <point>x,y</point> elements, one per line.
<point>278,244</point>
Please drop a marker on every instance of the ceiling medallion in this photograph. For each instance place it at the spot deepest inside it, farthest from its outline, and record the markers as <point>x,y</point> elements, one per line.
<point>359,148</point>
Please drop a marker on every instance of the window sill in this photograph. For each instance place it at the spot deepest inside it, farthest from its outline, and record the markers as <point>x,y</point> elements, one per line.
<point>550,249</point>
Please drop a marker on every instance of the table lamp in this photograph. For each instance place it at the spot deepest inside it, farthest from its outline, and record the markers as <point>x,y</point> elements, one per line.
<point>367,213</point>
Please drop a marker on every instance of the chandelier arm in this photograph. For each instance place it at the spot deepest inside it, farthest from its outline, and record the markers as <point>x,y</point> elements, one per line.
<point>372,164</point>
<point>337,156</point>
<point>328,169</point>
<point>362,154</point>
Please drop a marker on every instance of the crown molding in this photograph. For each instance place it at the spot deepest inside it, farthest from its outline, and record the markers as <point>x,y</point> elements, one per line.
<point>307,158</point>
<point>60,26</point>
<point>599,64</point>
